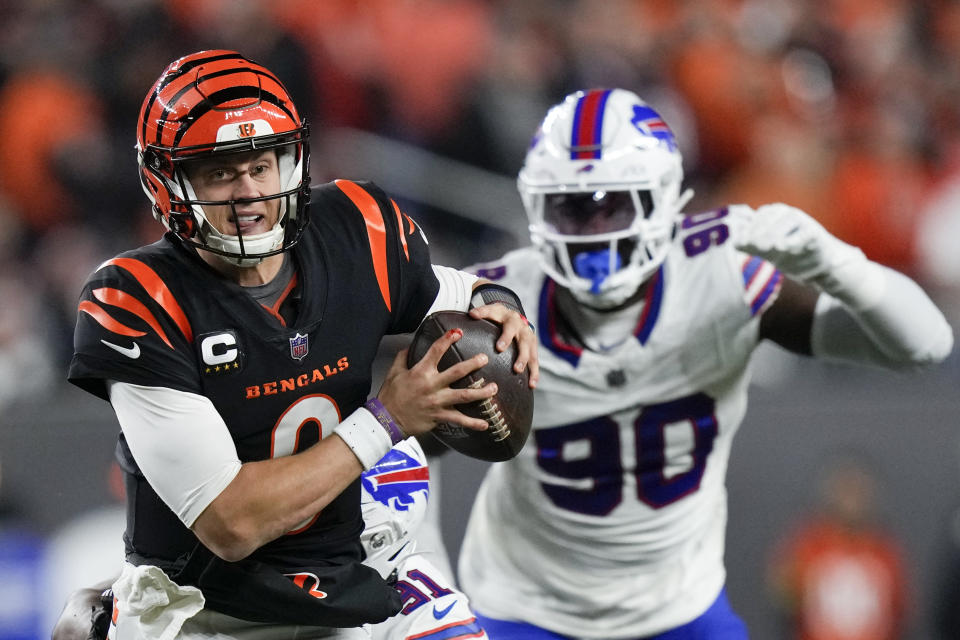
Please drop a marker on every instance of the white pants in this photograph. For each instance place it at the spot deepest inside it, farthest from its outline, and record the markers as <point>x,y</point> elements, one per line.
<point>149,606</point>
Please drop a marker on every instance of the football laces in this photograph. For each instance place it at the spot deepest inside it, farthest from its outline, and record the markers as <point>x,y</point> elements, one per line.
<point>492,414</point>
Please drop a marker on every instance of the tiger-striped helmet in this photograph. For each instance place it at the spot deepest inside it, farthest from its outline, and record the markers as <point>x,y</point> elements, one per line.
<point>219,102</point>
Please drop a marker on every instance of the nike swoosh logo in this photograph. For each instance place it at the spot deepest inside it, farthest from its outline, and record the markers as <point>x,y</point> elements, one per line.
<point>440,613</point>
<point>131,352</point>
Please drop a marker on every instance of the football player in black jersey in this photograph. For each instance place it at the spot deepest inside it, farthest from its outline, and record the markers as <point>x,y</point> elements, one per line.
<point>236,352</point>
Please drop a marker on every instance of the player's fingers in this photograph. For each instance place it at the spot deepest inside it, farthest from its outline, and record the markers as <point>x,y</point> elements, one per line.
<point>529,351</point>
<point>455,372</point>
<point>455,417</point>
<point>399,363</point>
<point>511,322</point>
<point>514,327</point>
<point>495,312</point>
<point>510,332</point>
<point>479,390</point>
<point>439,347</point>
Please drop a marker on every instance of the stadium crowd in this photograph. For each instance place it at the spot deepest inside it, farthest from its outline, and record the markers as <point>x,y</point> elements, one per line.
<point>849,109</point>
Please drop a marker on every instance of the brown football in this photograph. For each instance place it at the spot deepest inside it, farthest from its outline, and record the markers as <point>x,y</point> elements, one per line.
<point>508,413</point>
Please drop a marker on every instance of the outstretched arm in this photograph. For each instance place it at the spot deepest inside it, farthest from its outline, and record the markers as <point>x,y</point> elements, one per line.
<point>865,312</point>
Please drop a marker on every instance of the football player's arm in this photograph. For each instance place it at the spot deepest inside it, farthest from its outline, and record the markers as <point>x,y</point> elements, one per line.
<point>865,312</point>
<point>186,452</point>
<point>789,319</point>
<point>462,291</point>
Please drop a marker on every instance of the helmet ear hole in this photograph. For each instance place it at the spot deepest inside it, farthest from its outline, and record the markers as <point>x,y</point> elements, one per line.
<point>182,224</point>
<point>158,162</point>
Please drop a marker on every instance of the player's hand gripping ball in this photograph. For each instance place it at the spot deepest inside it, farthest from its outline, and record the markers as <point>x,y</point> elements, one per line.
<point>508,413</point>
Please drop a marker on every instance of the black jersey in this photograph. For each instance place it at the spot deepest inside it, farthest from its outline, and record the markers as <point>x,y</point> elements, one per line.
<point>160,316</point>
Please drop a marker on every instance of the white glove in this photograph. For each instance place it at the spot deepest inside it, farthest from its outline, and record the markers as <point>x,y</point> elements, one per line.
<point>802,249</point>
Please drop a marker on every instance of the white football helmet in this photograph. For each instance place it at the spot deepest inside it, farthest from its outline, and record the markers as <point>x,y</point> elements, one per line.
<point>394,504</point>
<point>601,187</point>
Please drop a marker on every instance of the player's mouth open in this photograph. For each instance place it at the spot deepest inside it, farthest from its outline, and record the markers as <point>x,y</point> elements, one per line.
<point>246,222</point>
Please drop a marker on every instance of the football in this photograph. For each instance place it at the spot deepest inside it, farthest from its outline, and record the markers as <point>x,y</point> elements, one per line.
<point>508,413</point>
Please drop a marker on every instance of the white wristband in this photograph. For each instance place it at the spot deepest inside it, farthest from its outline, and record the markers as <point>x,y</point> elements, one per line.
<point>365,436</point>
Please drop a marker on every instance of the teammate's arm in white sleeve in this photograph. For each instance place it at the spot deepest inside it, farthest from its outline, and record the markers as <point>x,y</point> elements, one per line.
<point>865,312</point>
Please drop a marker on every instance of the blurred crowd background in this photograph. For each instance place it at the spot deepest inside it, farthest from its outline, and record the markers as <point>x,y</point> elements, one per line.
<point>849,109</point>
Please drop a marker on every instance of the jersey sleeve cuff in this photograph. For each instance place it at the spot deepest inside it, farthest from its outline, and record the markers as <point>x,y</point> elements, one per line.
<point>204,495</point>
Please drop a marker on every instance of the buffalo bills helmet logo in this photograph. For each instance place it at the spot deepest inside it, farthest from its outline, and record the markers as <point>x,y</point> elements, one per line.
<point>394,481</point>
<point>649,122</point>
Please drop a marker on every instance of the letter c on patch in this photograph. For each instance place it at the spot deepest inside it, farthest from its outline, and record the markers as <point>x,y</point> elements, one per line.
<point>219,349</point>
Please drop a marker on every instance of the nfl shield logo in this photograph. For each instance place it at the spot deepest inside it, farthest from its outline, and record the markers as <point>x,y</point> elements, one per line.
<point>299,346</point>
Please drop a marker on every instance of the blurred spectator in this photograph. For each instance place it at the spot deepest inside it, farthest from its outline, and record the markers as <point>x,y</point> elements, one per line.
<point>839,575</point>
<point>43,114</point>
<point>851,107</point>
<point>26,356</point>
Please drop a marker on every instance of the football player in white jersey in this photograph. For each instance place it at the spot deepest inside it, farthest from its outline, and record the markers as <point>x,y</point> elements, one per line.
<point>394,500</point>
<point>610,522</point>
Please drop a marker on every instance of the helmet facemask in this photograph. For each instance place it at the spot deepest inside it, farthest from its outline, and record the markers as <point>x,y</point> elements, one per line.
<point>240,250</point>
<point>218,104</point>
<point>603,215</point>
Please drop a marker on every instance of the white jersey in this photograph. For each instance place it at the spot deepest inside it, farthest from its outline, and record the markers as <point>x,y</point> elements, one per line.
<point>433,609</point>
<point>610,522</point>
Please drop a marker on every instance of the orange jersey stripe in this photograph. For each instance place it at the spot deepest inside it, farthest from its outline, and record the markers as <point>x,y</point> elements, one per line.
<point>156,289</point>
<point>106,321</point>
<point>376,232</point>
<point>126,301</point>
<point>403,236</point>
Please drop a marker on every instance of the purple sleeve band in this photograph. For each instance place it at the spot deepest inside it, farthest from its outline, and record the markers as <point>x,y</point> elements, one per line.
<point>374,406</point>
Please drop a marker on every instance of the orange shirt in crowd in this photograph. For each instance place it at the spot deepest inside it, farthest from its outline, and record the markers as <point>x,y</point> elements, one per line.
<point>841,583</point>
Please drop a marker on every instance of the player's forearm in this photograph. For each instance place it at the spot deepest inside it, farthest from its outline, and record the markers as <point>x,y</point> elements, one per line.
<point>269,498</point>
<point>869,313</point>
<point>896,326</point>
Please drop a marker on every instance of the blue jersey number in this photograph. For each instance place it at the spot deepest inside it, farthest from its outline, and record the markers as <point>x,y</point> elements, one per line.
<point>587,457</point>
<point>711,230</point>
